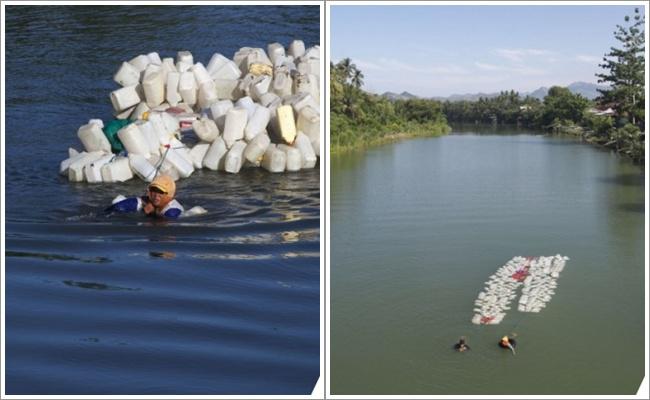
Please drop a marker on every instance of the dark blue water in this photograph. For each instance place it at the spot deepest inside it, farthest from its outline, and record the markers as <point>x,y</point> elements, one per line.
<point>224,303</point>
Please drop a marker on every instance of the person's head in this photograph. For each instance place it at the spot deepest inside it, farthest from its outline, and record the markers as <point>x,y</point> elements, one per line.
<point>161,191</point>
<point>462,340</point>
<point>505,339</point>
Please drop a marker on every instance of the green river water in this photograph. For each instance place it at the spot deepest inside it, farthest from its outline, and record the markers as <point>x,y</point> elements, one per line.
<point>417,227</point>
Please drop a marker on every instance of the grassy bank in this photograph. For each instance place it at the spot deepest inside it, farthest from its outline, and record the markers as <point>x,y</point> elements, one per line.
<point>352,137</point>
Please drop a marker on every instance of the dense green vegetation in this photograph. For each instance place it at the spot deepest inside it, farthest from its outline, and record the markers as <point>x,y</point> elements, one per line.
<point>506,108</point>
<point>358,118</point>
<point>560,106</point>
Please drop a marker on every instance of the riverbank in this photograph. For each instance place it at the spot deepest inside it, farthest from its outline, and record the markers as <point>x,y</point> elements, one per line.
<point>364,140</point>
<point>625,141</point>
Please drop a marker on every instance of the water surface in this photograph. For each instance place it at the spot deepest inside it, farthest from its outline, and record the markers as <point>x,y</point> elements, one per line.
<point>417,227</point>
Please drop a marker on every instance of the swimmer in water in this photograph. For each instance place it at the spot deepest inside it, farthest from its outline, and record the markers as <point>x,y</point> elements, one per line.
<point>461,345</point>
<point>508,343</point>
<point>158,202</point>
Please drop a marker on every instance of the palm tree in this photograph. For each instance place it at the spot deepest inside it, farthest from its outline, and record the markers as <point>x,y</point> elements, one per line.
<point>357,78</point>
<point>346,67</point>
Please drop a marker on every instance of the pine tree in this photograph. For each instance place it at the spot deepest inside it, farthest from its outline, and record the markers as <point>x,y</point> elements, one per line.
<point>625,71</point>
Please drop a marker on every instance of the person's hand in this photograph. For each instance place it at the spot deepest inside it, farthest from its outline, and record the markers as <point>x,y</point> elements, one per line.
<point>148,208</point>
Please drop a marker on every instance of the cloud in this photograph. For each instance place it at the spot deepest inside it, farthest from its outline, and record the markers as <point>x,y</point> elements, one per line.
<point>391,65</point>
<point>538,52</point>
<point>518,69</point>
<point>447,69</point>
<point>367,65</point>
<point>488,67</point>
<point>518,55</point>
<point>512,55</point>
<point>523,62</point>
<point>587,59</point>
<point>529,71</point>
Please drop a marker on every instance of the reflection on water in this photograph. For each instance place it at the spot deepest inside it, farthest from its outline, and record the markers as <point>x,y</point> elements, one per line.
<point>56,257</point>
<point>95,286</point>
<point>218,256</point>
<point>631,207</point>
<point>493,129</point>
<point>290,236</point>
<point>625,179</point>
<point>300,255</point>
<point>167,255</point>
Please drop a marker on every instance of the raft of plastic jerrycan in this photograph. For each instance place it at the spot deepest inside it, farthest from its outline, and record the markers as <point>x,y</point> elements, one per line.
<point>235,157</point>
<point>307,155</point>
<point>93,138</point>
<point>214,158</point>
<point>256,148</point>
<point>233,130</point>
<point>274,160</point>
<point>229,101</point>
<point>92,171</point>
<point>293,157</point>
<point>142,167</point>
<point>118,170</point>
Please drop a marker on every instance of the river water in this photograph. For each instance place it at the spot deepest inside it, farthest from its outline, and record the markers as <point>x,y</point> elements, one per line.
<point>417,227</point>
<point>224,303</point>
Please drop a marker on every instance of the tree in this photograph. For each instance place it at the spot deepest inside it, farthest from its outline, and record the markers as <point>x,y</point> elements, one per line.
<point>562,105</point>
<point>357,77</point>
<point>346,67</point>
<point>624,73</point>
<point>337,85</point>
<point>420,110</point>
<point>360,118</point>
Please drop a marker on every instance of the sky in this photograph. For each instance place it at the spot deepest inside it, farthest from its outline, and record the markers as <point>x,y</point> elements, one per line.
<point>440,50</point>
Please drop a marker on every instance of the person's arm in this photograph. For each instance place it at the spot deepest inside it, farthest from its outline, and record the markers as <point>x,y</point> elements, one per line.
<point>131,204</point>
<point>172,213</point>
<point>173,210</point>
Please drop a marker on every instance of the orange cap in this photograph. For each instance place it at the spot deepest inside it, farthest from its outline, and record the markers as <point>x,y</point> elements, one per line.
<point>166,185</point>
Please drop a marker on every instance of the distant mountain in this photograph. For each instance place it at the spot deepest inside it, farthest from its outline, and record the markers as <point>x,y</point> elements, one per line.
<point>539,93</point>
<point>588,90</point>
<point>466,97</point>
<point>401,96</point>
